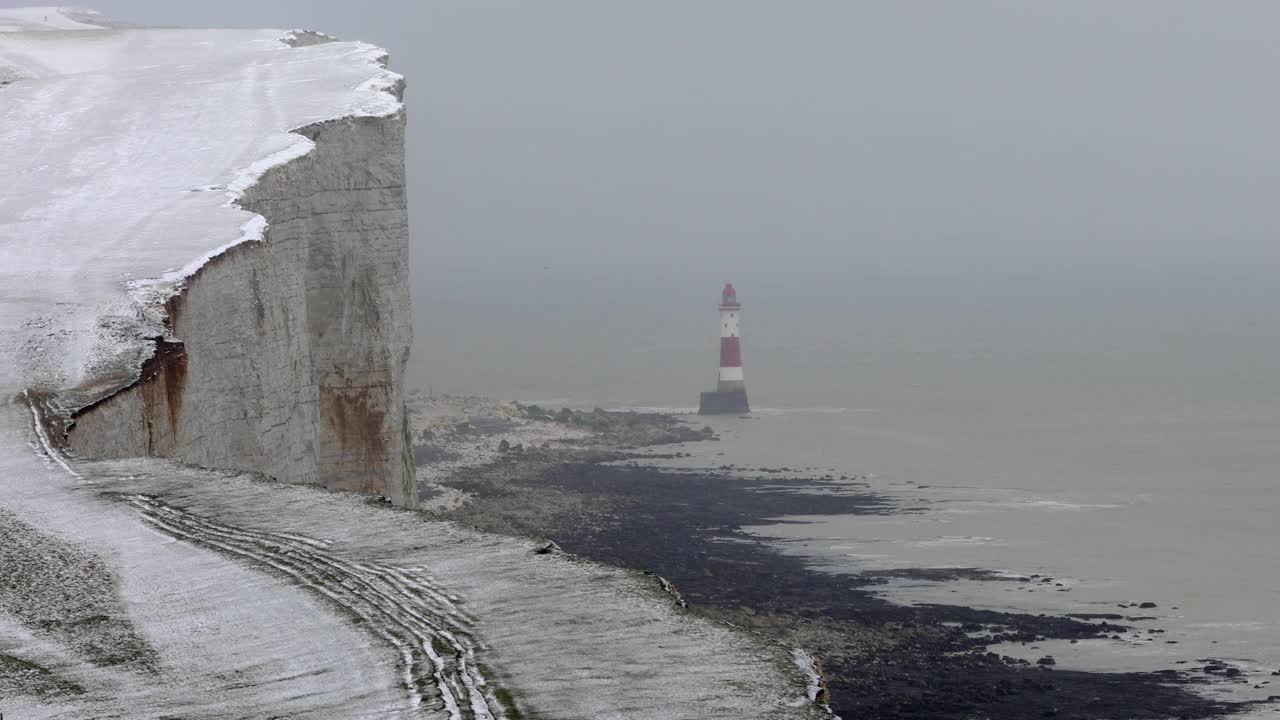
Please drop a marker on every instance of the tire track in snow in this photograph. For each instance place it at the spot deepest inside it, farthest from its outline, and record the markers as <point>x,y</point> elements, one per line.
<point>429,631</point>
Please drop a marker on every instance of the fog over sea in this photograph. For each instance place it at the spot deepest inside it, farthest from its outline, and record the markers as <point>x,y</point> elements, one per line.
<point>1118,432</point>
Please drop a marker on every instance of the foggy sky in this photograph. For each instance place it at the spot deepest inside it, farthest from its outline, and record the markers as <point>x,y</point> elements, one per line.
<point>739,137</point>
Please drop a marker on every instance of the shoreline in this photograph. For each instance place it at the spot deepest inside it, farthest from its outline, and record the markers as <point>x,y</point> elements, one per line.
<point>580,479</point>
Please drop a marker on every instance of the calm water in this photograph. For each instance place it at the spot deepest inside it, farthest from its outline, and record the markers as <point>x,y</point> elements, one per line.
<point>1121,434</point>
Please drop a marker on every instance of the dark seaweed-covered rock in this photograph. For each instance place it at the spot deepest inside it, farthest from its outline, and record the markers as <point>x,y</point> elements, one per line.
<point>882,661</point>
<point>624,428</point>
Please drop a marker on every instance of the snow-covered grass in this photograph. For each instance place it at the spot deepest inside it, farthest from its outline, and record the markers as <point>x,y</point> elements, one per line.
<point>564,637</point>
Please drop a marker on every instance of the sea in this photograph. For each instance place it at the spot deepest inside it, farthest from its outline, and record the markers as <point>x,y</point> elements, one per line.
<point>1118,432</point>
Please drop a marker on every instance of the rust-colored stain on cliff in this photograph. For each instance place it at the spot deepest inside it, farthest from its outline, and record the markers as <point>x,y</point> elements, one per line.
<point>172,307</point>
<point>357,417</point>
<point>162,382</point>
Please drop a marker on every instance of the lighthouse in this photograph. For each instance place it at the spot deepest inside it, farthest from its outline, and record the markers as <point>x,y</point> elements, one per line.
<point>730,396</point>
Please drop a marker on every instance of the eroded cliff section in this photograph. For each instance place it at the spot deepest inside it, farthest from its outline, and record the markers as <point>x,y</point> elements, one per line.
<point>285,356</point>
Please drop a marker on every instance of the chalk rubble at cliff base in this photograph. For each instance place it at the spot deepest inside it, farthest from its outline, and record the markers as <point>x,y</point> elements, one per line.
<point>206,255</point>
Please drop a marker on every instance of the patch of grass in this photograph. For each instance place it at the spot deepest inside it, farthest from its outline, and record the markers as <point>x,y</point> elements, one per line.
<point>441,648</point>
<point>18,676</point>
<point>503,695</point>
<point>508,701</point>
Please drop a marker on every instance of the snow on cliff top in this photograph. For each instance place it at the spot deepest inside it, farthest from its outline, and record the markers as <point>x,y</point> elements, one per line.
<point>121,150</point>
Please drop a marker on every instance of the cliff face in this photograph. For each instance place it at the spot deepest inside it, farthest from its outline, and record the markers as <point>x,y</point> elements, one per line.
<point>285,356</point>
<point>208,228</point>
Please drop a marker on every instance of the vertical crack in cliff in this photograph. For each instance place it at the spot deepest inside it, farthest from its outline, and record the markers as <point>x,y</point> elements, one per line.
<point>163,380</point>
<point>428,630</point>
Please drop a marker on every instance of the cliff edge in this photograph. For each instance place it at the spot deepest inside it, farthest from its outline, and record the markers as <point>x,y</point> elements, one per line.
<point>249,189</point>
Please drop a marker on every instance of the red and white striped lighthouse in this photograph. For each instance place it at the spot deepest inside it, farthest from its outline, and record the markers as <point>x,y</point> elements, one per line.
<point>730,342</point>
<point>731,392</point>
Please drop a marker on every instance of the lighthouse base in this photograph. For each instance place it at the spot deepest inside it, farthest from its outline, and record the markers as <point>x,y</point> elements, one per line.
<point>733,402</point>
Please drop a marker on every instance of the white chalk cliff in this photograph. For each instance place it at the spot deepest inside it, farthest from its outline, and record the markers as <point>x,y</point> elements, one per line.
<point>204,243</point>
<point>252,194</point>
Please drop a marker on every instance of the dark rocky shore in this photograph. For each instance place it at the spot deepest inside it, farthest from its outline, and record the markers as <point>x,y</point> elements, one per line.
<point>597,499</point>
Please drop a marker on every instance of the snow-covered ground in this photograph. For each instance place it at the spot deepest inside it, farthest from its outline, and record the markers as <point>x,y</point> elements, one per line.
<point>144,588</point>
